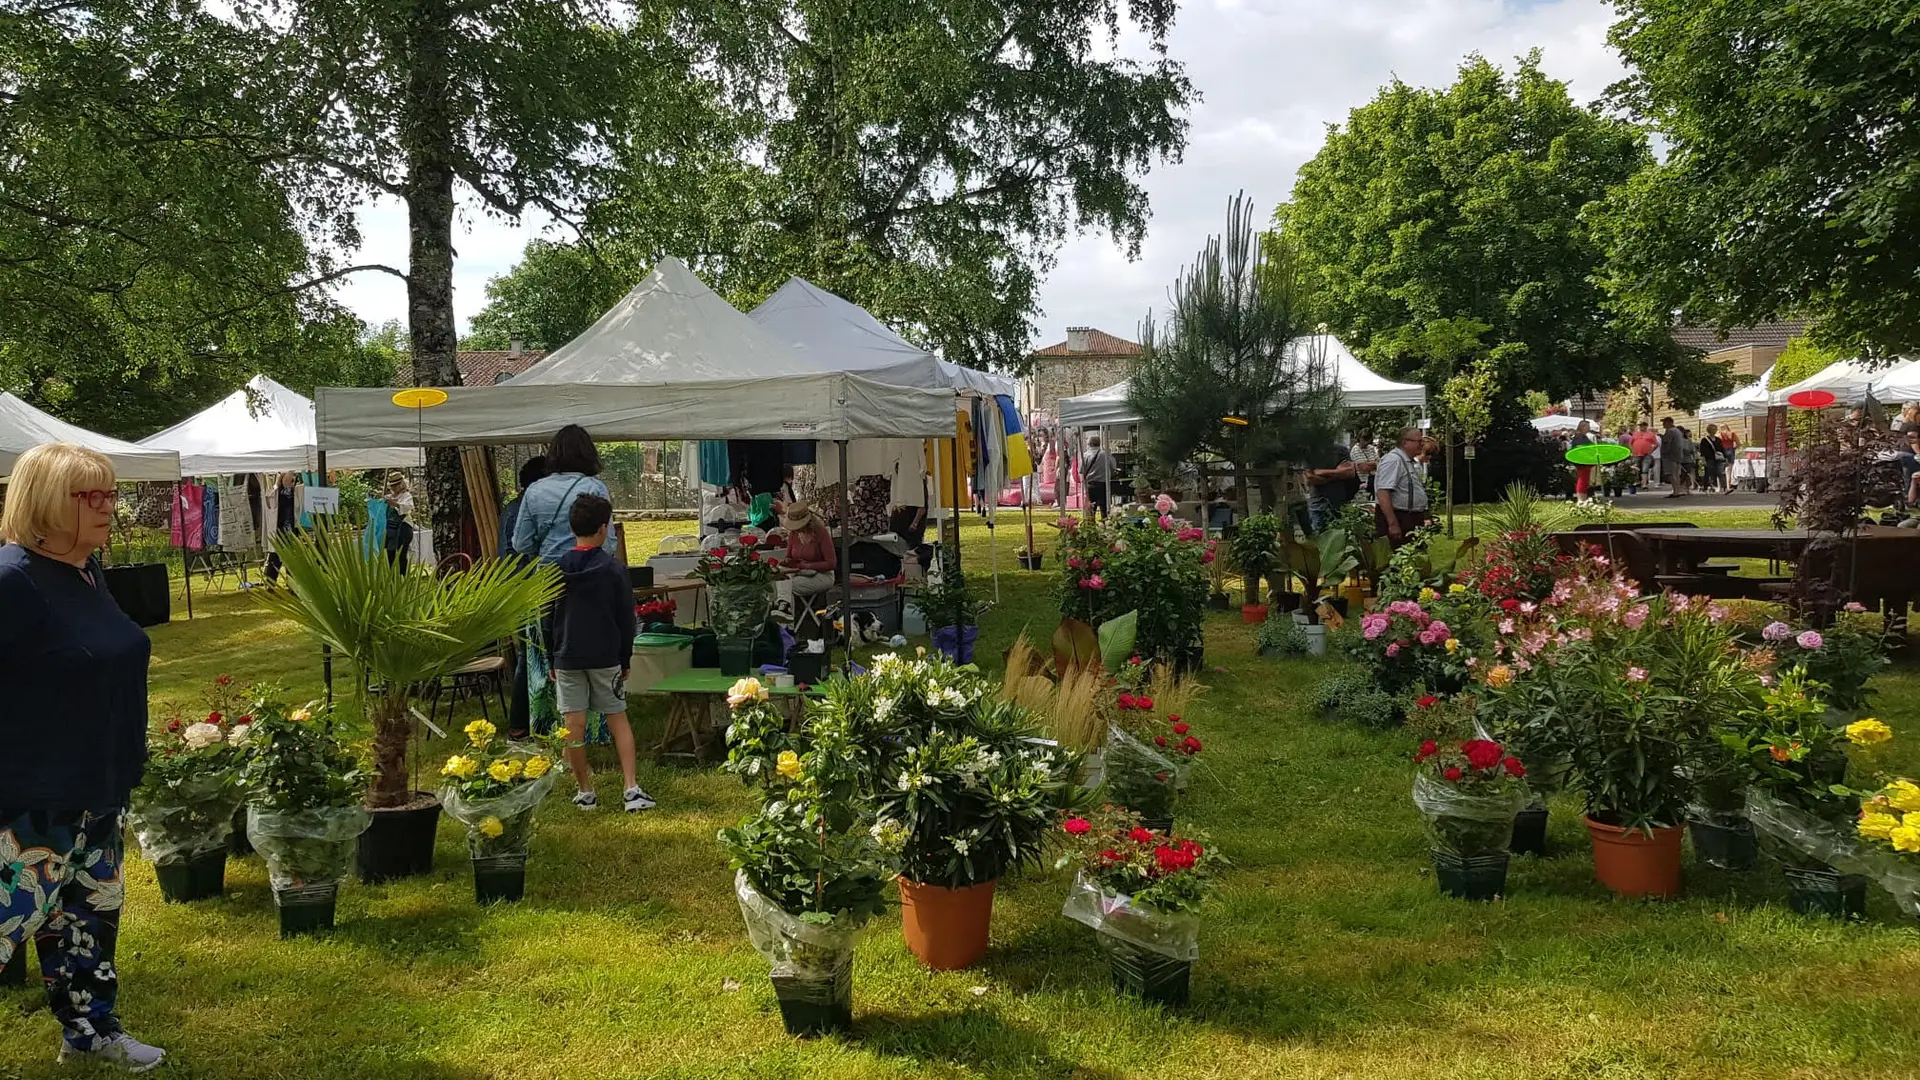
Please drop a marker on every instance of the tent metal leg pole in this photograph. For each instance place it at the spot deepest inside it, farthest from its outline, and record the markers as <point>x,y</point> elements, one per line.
<point>326,650</point>
<point>846,568</point>
<point>959,616</point>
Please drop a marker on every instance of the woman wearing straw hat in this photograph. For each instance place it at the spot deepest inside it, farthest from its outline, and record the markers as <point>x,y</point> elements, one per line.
<point>73,716</point>
<point>810,560</point>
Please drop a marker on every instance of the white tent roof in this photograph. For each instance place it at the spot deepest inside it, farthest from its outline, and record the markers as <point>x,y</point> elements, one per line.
<point>843,336</point>
<point>264,428</point>
<point>1360,388</point>
<point>1556,422</point>
<point>23,427</point>
<point>671,360</point>
<point>1901,384</point>
<point>1846,380</point>
<point>1749,400</point>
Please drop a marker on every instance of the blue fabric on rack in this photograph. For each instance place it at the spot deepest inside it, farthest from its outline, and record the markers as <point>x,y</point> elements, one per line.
<point>714,468</point>
<point>209,516</point>
<point>375,538</point>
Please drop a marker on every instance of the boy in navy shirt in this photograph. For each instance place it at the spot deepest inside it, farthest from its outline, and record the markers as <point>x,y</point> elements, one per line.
<point>590,639</point>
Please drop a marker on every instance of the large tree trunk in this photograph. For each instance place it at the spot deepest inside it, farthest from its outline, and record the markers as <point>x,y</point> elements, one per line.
<point>430,209</point>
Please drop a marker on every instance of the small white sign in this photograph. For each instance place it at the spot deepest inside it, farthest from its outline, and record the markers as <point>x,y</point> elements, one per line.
<point>1426,423</point>
<point>322,500</point>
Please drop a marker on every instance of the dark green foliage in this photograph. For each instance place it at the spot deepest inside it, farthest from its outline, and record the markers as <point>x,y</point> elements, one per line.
<point>1350,696</point>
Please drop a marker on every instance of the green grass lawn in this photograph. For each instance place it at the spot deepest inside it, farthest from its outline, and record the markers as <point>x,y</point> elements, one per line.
<point>1330,955</point>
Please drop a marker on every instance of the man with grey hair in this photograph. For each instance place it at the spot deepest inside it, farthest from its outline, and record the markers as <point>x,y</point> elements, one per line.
<point>1400,491</point>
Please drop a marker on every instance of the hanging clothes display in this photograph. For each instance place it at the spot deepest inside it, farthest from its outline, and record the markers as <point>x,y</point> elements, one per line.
<point>187,522</point>
<point>374,540</point>
<point>867,506</point>
<point>236,532</point>
<point>308,479</point>
<point>941,456</point>
<point>1019,454</point>
<point>715,467</point>
<point>209,516</point>
<point>758,462</point>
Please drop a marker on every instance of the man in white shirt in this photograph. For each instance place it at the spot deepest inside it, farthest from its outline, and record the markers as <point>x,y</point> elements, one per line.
<point>1400,489</point>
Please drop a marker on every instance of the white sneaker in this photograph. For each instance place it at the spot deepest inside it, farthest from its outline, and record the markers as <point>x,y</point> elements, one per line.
<point>637,800</point>
<point>586,800</point>
<point>123,1050</point>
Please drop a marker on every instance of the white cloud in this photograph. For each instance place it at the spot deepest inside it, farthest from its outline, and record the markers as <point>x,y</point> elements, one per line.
<point>1273,74</point>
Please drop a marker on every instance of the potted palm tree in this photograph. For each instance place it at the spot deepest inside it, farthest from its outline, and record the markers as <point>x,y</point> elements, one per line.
<point>403,632</point>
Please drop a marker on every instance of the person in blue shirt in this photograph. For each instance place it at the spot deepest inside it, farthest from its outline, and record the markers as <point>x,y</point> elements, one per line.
<point>73,719</point>
<point>573,470</point>
<point>531,472</point>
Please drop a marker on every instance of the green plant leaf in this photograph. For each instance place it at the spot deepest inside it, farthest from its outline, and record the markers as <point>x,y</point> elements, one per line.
<point>1116,639</point>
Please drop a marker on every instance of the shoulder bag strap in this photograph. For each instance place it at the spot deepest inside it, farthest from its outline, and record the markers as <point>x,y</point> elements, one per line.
<point>547,529</point>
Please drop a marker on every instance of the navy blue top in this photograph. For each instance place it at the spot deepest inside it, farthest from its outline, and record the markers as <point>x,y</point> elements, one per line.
<point>509,518</point>
<point>73,688</point>
<point>592,624</point>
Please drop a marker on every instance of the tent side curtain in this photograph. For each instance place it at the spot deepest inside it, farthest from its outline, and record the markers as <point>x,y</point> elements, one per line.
<point>821,406</point>
<point>23,427</point>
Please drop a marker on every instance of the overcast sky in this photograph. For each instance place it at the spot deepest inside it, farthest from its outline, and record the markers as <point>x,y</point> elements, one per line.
<point>1273,74</point>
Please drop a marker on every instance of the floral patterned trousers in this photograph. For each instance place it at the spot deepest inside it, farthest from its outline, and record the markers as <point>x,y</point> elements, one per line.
<point>60,887</point>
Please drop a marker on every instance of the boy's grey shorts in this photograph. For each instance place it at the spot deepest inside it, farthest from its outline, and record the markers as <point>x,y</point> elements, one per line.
<point>594,690</point>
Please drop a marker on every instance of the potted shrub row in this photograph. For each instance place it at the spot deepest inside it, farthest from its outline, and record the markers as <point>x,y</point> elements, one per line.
<point>183,812</point>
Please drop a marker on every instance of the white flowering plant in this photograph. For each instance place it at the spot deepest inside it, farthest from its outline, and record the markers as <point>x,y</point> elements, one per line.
<point>959,778</point>
<point>186,800</point>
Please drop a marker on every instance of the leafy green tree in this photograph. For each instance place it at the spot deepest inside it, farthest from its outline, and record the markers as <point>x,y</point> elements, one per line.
<point>1231,372</point>
<point>1791,184</point>
<point>925,161</point>
<point>1441,227</point>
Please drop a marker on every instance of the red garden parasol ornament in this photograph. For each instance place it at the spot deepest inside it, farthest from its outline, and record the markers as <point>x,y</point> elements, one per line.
<point>1811,399</point>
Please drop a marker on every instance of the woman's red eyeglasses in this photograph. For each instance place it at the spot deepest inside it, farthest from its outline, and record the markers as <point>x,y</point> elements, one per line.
<point>97,500</point>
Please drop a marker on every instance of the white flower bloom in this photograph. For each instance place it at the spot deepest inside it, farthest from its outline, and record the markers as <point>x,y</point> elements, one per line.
<point>200,736</point>
<point>882,707</point>
<point>959,845</point>
<point>239,734</point>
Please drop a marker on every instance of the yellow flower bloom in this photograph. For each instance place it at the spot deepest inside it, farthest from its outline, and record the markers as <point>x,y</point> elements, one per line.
<point>1453,644</point>
<point>1904,795</point>
<point>1869,731</point>
<point>491,827</point>
<point>479,733</point>
<point>1878,826</point>
<point>537,767</point>
<point>1906,838</point>
<point>300,716</point>
<point>504,770</point>
<point>745,692</point>
<point>920,651</point>
<point>1500,676</point>
<point>1427,594</point>
<point>1456,589</point>
<point>789,765</point>
<point>459,765</point>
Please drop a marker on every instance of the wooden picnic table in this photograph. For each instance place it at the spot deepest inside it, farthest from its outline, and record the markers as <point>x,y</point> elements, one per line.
<point>694,696</point>
<point>1679,551</point>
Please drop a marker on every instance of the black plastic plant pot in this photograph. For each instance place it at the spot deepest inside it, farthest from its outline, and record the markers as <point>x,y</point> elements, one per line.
<point>813,1007</point>
<point>736,656</point>
<point>1529,832</point>
<point>238,845</point>
<point>1149,976</point>
<point>1032,562</point>
<point>1826,892</point>
<point>499,879</point>
<point>1219,601</point>
<point>1471,877</point>
<point>1286,601</point>
<point>399,844</point>
<point>1724,847</point>
<point>306,910</point>
<point>1337,603</point>
<point>200,878</point>
<point>1161,825</point>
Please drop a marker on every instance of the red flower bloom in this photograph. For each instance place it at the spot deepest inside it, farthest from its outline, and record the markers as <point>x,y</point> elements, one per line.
<point>1514,768</point>
<point>1097,562</point>
<point>1191,745</point>
<point>1133,660</point>
<point>1181,729</point>
<point>1110,855</point>
<point>1159,740</point>
<point>1173,860</point>
<point>222,680</point>
<point>1427,750</point>
<point>213,718</point>
<point>1427,701</point>
<point>1161,777</point>
<point>1453,772</point>
<point>1481,753</point>
<point>1128,701</point>
<point>717,553</point>
<point>173,727</point>
<point>1077,826</point>
<point>1145,704</point>
<point>243,720</point>
<point>1141,835</point>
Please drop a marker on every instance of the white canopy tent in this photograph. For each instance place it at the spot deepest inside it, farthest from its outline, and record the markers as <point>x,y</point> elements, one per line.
<point>262,429</point>
<point>23,427</point>
<point>1556,422</point>
<point>1847,380</point>
<point>1749,400</point>
<point>1901,384</point>
<point>843,336</point>
<point>671,360</point>
<point>1360,387</point>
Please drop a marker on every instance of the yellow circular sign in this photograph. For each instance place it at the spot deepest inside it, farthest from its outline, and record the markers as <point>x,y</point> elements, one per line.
<point>420,397</point>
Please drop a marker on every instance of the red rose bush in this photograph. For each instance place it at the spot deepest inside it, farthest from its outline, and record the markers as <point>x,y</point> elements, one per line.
<point>1468,793</point>
<point>1142,891</point>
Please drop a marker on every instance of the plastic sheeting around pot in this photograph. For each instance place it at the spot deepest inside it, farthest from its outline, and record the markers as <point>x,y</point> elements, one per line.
<point>513,810</point>
<point>1466,823</point>
<point>1174,935</point>
<point>1133,771</point>
<point>1837,846</point>
<point>171,831</point>
<point>739,609</point>
<point>796,949</point>
<point>306,848</point>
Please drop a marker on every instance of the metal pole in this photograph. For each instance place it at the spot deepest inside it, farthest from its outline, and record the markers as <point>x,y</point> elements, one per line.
<point>846,572</point>
<point>959,616</point>
<point>326,650</point>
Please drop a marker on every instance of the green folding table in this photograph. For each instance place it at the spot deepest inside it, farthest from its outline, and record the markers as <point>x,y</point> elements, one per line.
<point>692,699</point>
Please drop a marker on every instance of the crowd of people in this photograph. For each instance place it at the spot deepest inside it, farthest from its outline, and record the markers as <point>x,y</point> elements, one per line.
<point>1671,457</point>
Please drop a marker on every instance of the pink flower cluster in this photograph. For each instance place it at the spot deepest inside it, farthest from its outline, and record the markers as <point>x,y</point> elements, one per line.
<point>1436,633</point>
<point>1096,582</point>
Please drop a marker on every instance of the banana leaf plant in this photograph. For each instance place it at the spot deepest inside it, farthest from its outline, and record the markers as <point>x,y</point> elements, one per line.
<point>1323,561</point>
<point>402,631</point>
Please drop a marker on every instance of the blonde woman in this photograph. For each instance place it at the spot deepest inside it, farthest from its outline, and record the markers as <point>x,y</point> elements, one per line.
<point>73,717</point>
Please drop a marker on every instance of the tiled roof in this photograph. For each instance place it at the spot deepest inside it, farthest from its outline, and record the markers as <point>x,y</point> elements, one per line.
<point>487,367</point>
<point>1766,335</point>
<point>1099,343</point>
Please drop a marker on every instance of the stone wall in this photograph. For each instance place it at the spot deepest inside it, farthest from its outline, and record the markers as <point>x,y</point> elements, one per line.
<point>1056,377</point>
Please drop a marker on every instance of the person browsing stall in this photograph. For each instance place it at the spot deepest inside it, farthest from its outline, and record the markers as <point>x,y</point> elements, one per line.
<point>573,466</point>
<point>73,719</point>
<point>1400,488</point>
<point>590,634</point>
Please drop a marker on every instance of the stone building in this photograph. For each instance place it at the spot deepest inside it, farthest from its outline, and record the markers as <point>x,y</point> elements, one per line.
<point>1088,360</point>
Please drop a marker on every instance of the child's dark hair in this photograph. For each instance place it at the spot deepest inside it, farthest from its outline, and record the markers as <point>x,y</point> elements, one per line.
<point>589,515</point>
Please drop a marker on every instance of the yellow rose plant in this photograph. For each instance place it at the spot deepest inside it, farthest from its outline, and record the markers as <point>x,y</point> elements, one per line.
<point>493,785</point>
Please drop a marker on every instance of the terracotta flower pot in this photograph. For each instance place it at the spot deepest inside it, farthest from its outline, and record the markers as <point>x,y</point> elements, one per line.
<point>1635,864</point>
<point>1253,613</point>
<point>946,928</point>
